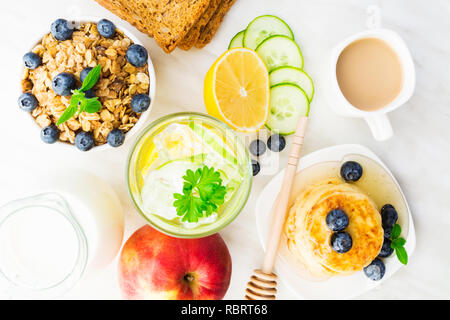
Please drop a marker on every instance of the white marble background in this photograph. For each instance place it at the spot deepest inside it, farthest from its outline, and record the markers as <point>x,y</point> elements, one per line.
<point>418,154</point>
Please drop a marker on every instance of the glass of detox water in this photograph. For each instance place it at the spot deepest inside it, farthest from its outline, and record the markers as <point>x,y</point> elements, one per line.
<point>161,157</point>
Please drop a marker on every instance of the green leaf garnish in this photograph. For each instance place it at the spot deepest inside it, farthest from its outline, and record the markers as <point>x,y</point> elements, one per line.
<point>69,112</point>
<point>401,253</point>
<point>396,231</point>
<point>91,79</point>
<point>78,100</point>
<point>203,193</point>
<point>92,105</point>
<point>398,244</point>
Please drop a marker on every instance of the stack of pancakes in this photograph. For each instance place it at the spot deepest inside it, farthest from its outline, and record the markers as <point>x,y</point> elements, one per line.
<point>308,236</point>
<point>182,23</point>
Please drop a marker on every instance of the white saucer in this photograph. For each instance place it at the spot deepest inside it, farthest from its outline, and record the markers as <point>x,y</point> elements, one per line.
<point>336,287</point>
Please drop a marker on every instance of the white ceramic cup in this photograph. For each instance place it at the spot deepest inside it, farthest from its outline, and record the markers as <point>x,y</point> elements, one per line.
<point>377,120</point>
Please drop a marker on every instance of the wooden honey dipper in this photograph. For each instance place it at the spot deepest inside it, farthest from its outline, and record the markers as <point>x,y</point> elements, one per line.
<point>263,282</point>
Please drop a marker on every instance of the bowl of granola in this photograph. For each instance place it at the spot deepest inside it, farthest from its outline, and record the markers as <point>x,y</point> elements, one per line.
<point>87,83</point>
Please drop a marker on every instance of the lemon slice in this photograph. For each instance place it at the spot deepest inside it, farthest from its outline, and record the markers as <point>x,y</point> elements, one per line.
<point>236,90</point>
<point>177,141</point>
<point>147,159</point>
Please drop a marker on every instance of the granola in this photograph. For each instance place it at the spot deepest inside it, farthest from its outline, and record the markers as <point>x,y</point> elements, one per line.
<point>118,82</point>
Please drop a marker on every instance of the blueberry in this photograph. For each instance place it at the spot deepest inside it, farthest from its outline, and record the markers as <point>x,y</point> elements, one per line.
<point>63,83</point>
<point>115,138</point>
<point>106,28</point>
<point>84,141</point>
<point>351,171</point>
<point>84,73</point>
<point>375,271</point>
<point>276,143</point>
<point>137,55</point>
<point>27,101</point>
<point>61,30</point>
<point>89,93</point>
<point>32,60</point>
<point>341,242</point>
<point>140,103</point>
<point>50,134</point>
<point>337,220</point>
<point>257,147</point>
<point>386,249</point>
<point>256,167</point>
<point>389,215</point>
<point>387,232</point>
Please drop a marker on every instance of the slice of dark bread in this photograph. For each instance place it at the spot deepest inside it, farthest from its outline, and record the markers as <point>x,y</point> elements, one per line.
<point>193,34</point>
<point>208,32</point>
<point>168,21</point>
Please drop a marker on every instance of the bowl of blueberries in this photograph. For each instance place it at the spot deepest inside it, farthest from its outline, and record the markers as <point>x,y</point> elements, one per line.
<point>88,83</point>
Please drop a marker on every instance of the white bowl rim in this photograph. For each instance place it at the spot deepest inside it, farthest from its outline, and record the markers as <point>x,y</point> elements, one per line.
<point>152,88</point>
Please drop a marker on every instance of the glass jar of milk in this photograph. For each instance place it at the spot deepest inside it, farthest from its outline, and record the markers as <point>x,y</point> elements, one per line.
<point>48,241</point>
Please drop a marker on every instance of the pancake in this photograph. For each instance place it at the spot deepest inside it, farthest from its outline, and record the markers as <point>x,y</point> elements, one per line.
<point>308,236</point>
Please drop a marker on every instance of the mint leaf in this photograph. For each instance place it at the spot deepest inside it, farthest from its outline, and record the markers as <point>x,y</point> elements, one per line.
<point>92,105</point>
<point>396,231</point>
<point>91,79</point>
<point>402,255</point>
<point>400,251</point>
<point>70,110</point>
<point>77,94</point>
<point>82,106</point>
<point>78,100</point>
<point>399,242</point>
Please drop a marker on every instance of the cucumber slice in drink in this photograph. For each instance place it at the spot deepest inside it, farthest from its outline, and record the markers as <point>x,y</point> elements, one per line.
<point>197,159</point>
<point>160,185</point>
<point>263,27</point>
<point>292,75</point>
<point>214,142</point>
<point>287,103</point>
<point>237,41</point>
<point>280,51</point>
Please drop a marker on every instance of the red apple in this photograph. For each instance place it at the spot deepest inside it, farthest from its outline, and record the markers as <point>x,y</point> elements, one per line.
<point>153,265</point>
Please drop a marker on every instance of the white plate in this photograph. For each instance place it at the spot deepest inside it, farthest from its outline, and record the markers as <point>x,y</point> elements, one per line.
<point>335,287</point>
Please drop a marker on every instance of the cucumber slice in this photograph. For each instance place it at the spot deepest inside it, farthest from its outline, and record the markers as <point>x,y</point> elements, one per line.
<point>263,27</point>
<point>292,75</point>
<point>197,159</point>
<point>280,51</point>
<point>237,41</point>
<point>287,103</point>
<point>215,142</point>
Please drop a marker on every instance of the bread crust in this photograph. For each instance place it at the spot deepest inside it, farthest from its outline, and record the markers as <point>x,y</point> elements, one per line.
<point>210,29</point>
<point>168,21</point>
<point>192,36</point>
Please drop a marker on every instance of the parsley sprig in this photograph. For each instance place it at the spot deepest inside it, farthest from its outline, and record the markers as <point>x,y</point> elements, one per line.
<point>203,193</point>
<point>79,102</point>
<point>398,244</point>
